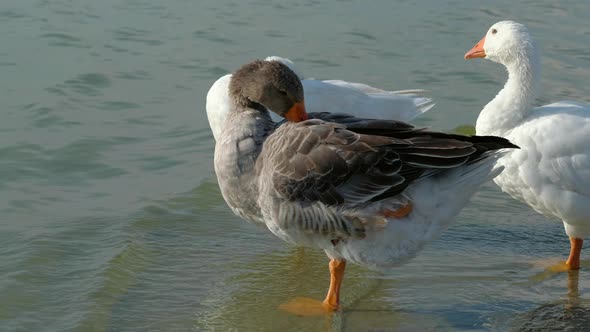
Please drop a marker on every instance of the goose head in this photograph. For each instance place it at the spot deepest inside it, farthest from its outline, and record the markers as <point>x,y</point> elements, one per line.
<point>269,85</point>
<point>505,42</point>
<point>286,62</point>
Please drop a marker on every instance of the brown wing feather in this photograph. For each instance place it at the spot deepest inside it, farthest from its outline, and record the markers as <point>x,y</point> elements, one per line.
<point>447,144</point>
<point>321,161</point>
<point>340,159</point>
<point>342,162</point>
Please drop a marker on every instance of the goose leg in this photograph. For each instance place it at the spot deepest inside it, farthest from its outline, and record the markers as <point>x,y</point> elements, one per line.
<point>303,306</point>
<point>573,261</point>
<point>332,300</point>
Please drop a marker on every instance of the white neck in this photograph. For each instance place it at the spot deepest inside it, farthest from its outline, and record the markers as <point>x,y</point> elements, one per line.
<point>514,102</point>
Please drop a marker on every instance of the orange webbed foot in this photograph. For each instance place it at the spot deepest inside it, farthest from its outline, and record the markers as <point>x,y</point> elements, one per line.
<point>562,267</point>
<point>573,261</point>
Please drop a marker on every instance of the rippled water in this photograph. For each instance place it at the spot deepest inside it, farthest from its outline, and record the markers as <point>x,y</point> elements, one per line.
<point>111,219</point>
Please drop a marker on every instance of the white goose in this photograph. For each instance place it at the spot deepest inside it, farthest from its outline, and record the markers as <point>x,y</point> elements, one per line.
<point>370,192</point>
<point>331,95</point>
<point>551,171</point>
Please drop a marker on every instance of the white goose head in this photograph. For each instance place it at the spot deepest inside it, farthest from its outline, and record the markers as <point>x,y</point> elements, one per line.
<point>505,42</point>
<point>510,44</point>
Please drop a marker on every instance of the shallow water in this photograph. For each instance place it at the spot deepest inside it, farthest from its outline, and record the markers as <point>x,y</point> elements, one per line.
<point>111,215</point>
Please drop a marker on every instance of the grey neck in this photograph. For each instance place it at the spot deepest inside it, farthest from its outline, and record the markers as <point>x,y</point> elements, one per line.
<point>236,153</point>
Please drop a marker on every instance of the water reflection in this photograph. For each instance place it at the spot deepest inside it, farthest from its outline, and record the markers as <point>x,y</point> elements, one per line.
<point>382,320</point>
<point>573,293</point>
<point>250,299</point>
<point>571,313</point>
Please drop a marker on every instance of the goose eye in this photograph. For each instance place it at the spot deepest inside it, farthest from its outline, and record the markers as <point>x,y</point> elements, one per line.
<point>494,31</point>
<point>284,93</point>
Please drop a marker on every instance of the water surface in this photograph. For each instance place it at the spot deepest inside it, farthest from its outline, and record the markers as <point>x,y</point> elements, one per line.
<point>111,218</point>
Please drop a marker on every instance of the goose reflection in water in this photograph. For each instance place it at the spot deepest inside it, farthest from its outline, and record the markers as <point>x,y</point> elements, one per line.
<point>571,313</point>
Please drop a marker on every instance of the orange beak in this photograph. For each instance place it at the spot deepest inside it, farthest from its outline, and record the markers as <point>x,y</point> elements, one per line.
<point>297,112</point>
<point>477,50</point>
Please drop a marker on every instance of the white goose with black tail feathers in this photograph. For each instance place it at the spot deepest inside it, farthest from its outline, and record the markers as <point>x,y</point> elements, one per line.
<point>551,171</point>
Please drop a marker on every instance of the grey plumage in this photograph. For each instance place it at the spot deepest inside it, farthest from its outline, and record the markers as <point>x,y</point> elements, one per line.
<point>323,176</point>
